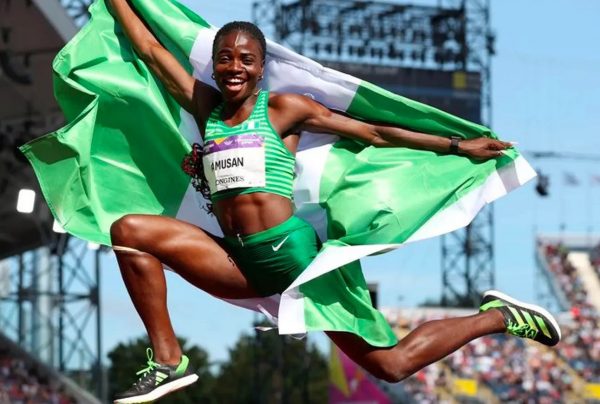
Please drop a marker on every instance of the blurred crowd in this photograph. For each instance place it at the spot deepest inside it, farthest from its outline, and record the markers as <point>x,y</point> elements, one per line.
<point>513,369</point>
<point>516,370</point>
<point>580,345</point>
<point>22,384</point>
<point>595,259</point>
<point>423,386</point>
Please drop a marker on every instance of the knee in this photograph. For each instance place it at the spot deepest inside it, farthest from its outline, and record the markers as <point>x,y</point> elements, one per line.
<point>124,231</point>
<point>390,374</point>
<point>389,371</point>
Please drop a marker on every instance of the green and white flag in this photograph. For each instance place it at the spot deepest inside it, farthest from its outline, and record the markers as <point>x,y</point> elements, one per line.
<point>121,152</point>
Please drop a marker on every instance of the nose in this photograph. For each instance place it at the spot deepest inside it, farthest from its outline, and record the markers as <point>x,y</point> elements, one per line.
<point>236,65</point>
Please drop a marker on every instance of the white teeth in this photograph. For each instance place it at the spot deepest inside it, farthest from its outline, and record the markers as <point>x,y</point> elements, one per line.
<point>234,81</point>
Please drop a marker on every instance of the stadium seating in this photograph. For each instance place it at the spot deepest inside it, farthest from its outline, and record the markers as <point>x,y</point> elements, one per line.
<point>20,382</point>
<point>491,369</point>
<point>23,380</point>
<point>580,347</point>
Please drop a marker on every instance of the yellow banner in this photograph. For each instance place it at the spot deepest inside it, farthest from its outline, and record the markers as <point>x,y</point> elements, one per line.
<point>592,390</point>
<point>465,387</point>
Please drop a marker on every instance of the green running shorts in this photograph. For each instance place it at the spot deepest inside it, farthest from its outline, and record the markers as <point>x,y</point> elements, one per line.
<point>272,259</point>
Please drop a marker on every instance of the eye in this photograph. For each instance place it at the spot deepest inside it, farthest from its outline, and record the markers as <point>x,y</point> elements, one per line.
<point>247,58</point>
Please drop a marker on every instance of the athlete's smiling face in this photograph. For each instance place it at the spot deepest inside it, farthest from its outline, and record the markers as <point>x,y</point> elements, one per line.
<point>238,65</point>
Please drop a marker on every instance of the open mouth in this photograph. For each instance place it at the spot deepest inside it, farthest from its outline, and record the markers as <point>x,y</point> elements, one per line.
<point>234,83</point>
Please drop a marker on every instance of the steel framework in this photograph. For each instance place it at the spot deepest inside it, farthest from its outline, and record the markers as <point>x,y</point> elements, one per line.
<point>50,290</point>
<point>468,265</point>
<point>50,300</point>
<point>448,35</point>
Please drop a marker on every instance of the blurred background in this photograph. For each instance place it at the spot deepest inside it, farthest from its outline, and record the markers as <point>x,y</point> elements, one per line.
<point>69,334</point>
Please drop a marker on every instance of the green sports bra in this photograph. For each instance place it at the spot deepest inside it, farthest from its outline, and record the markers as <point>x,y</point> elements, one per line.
<point>246,158</point>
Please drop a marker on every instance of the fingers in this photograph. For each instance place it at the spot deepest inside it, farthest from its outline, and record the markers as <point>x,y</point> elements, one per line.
<point>500,145</point>
<point>486,148</point>
<point>487,154</point>
<point>505,145</point>
<point>490,154</point>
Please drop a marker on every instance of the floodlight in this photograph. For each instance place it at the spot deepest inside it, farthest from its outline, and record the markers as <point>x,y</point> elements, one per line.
<point>26,200</point>
<point>543,185</point>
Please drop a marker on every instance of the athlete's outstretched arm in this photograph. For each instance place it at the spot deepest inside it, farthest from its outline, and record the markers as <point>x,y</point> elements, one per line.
<point>312,116</point>
<point>180,84</point>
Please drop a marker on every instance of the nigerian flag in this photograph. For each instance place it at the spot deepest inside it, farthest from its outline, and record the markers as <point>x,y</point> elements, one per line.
<point>126,136</point>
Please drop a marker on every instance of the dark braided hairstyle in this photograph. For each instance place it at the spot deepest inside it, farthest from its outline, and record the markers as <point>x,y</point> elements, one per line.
<point>245,27</point>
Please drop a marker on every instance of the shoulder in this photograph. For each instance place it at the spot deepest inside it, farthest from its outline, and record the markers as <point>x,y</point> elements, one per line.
<point>289,101</point>
<point>298,105</point>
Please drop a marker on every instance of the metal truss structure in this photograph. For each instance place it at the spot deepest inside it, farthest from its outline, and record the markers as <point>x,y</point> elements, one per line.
<point>447,35</point>
<point>49,281</point>
<point>50,305</point>
<point>468,262</point>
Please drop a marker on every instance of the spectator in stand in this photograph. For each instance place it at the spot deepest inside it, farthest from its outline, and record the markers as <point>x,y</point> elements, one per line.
<point>580,346</point>
<point>21,384</point>
<point>536,376</point>
<point>513,371</point>
<point>531,375</point>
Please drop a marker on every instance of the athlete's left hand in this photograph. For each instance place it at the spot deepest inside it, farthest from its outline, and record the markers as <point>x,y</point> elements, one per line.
<point>482,147</point>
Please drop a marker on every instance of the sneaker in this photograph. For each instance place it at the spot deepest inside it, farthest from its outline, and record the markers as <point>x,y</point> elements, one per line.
<point>157,380</point>
<point>523,320</point>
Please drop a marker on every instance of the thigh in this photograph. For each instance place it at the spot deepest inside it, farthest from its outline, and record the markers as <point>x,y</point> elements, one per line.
<point>376,360</point>
<point>191,252</point>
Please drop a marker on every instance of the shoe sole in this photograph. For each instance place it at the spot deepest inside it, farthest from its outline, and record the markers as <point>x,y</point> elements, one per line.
<point>160,391</point>
<point>532,307</point>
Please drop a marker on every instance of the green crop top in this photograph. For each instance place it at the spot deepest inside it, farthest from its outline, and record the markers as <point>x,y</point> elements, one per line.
<point>246,158</point>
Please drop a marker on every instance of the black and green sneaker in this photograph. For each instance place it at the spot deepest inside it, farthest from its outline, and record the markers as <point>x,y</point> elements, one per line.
<point>523,320</point>
<point>157,380</point>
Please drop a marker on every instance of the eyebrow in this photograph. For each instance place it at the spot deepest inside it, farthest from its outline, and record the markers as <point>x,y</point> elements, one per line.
<point>244,53</point>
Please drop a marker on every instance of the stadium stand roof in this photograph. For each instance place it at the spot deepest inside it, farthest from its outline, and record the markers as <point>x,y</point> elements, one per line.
<point>31,33</point>
<point>576,241</point>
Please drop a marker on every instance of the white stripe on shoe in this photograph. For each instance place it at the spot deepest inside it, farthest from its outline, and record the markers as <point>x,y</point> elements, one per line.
<point>160,391</point>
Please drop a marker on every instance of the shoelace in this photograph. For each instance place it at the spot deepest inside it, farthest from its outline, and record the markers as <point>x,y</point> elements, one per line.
<point>523,330</point>
<point>151,364</point>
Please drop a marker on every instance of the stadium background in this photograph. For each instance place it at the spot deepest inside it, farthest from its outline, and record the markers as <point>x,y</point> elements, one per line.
<point>543,96</point>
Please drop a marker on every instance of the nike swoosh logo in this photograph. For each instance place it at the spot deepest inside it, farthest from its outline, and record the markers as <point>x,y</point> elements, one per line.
<point>278,246</point>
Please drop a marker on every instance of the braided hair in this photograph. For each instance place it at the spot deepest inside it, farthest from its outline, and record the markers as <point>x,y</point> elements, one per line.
<point>245,27</point>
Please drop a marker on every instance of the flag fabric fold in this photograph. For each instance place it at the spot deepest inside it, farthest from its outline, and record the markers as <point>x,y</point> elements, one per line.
<point>121,152</point>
